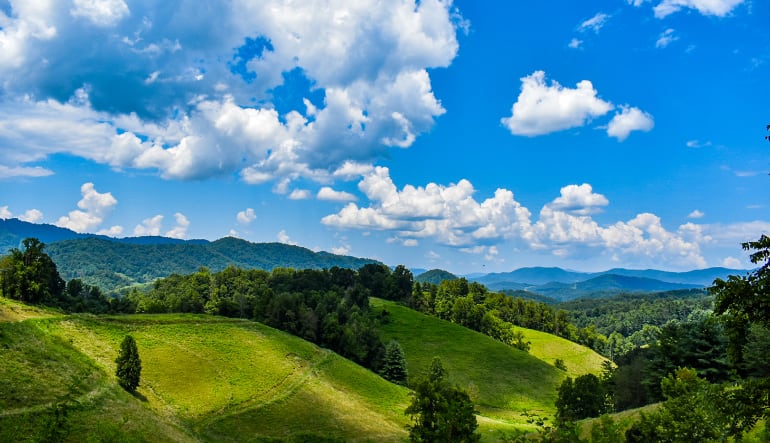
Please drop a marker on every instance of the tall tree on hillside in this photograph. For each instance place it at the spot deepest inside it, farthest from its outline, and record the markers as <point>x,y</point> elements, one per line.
<point>29,275</point>
<point>129,367</point>
<point>394,364</point>
<point>441,412</point>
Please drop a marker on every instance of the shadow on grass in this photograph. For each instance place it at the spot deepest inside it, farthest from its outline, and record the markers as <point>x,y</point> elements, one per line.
<point>138,396</point>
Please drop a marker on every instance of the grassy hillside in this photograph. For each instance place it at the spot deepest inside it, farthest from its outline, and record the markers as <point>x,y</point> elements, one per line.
<point>503,381</point>
<point>204,379</point>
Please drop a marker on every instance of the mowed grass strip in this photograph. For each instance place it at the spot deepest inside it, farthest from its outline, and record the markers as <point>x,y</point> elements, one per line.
<point>503,381</point>
<point>11,310</point>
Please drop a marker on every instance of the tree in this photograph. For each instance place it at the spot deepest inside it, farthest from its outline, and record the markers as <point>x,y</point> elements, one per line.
<point>129,365</point>
<point>583,398</point>
<point>747,295</point>
<point>30,275</point>
<point>394,364</point>
<point>441,412</point>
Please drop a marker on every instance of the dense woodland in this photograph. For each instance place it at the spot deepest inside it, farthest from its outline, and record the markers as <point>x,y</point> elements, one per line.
<point>703,354</point>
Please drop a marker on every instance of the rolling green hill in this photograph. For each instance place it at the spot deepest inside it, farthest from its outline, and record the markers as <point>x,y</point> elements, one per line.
<point>112,265</point>
<point>503,381</point>
<point>209,378</point>
<point>435,276</point>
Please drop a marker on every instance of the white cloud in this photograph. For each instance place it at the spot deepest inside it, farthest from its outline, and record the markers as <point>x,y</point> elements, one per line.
<point>696,214</point>
<point>31,216</point>
<point>575,43</point>
<point>666,38</point>
<point>284,238</point>
<point>629,119</point>
<point>697,144</point>
<point>149,226</point>
<point>299,194</point>
<point>113,231</point>
<point>594,23</point>
<point>22,171</point>
<point>327,193</point>
<point>5,213</point>
<point>579,200</point>
<point>94,207</point>
<point>246,217</point>
<point>542,109</point>
<point>100,12</point>
<point>172,105</point>
<point>351,170</point>
<point>718,8</point>
<point>732,263</point>
<point>180,230</point>
<point>636,3</point>
<point>341,250</point>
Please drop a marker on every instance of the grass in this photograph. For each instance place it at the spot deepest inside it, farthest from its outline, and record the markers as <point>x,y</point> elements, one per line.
<point>210,378</point>
<point>232,380</point>
<point>503,381</point>
<point>578,359</point>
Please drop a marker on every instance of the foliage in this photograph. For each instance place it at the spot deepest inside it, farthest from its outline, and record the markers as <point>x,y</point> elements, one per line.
<point>29,275</point>
<point>584,397</point>
<point>113,265</point>
<point>129,365</point>
<point>394,364</point>
<point>440,412</point>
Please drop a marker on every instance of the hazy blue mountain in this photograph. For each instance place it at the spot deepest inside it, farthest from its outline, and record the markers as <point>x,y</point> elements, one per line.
<point>534,276</point>
<point>605,285</point>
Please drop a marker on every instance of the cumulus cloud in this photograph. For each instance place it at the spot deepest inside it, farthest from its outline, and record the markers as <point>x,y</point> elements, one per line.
<point>299,194</point>
<point>94,207</point>
<point>719,8</point>
<point>31,216</point>
<point>112,231</point>
<point>149,226</point>
<point>341,250</point>
<point>192,111</point>
<point>594,23</point>
<point>542,109</point>
<point>450,215</point>
<point>246,216</point>
<point>666,38</point>
<point>696,214</point>
<point>327,193</point>
<point>732,263</point>
<point>284,238</point>
<point>180,230</point>
<point>575,43</point>
<point>627,120</point>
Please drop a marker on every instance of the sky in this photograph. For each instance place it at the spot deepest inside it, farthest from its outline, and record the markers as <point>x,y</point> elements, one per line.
<point>468,136</point>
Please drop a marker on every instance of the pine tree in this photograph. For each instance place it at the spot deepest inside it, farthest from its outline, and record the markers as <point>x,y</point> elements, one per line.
<point>129,364</point>
<point>394,364</point>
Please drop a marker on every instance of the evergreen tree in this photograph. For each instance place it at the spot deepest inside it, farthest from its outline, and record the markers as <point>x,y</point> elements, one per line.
<point>441,412</point>
<point>129,365</point>
<point>394,364</point>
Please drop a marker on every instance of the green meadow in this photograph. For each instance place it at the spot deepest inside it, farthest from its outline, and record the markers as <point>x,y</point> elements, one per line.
<point>207,378</point>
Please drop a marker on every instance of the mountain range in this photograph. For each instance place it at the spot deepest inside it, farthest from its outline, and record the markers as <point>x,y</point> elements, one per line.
<point>112,263</point>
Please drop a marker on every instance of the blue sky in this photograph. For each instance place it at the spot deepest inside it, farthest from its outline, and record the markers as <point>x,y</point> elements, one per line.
<point>470,136</point>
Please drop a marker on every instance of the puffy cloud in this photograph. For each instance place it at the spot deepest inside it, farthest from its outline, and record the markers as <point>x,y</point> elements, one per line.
<point>451,216</point>
<point>309,88</point>
<point>628,120</point>
<point>5,213</point>
<point>327,193</point>
<point>542,109</point>
<point>594,23</point>
<point>579,200</point>
<point>247,216</point>
<point>284,238</point>
<point>575,43</point>
<point>732,263</point>
<point>180,230</point>
<point>31,216</point>
<point>696,214</point>
<point>113,231</point>
<point>341,250</point>
<point>448,214</point>
<point>719,8</point>
<point>94,207</point>
<point>299,194</point>
<point>666,38</point>
<point>149,226</point>
<point>100,12</point>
